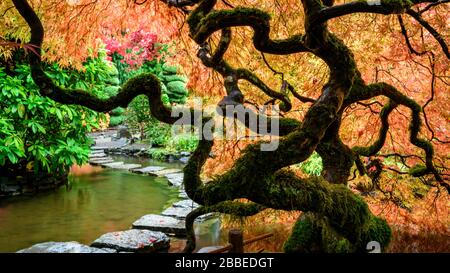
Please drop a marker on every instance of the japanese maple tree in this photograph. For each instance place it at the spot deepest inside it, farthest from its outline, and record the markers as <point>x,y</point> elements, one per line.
<point>335,218</point>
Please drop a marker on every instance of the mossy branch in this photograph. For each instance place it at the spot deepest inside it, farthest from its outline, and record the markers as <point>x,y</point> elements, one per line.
<point>387,90</point>
<point>143,84</point>
<point>378,144</point>
<point>203,22</point>
<point>226,70</point>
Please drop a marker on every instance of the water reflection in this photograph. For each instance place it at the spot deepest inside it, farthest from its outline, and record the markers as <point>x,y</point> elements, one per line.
<point>98,202</point>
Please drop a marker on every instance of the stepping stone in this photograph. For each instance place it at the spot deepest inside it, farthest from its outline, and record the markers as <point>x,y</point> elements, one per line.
<point>102,139</point>
<point>161,223</point>
<point>181,213</point>
<point>100,158</point>
<point>164,172</point>
<point>133,240</point>
<point>185,204</point>
<point>95,152</point>
<point>94,148</point>
<point>129,166</point>
<point>125,166</point>
<point>101,161</point>
<point>114,164</point>
<point>177,212</point>
<point>97,155</point>
<point>148,170</point>
<point>63,247</point>
<point>175,179</point>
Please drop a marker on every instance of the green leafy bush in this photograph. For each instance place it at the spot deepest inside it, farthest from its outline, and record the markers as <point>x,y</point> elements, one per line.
<point>158,133</point>
<point>159,153</point>
<point>38,133</point>
<point>183,142</point>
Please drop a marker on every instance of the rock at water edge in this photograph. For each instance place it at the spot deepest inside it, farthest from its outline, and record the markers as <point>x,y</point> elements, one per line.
<point>134,240</point>
<point>148,170</point>
<point>63,247</point>
<point>161,223</point>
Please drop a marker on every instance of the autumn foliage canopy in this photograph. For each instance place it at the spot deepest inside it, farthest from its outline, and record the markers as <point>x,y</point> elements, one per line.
<point>363,84</point>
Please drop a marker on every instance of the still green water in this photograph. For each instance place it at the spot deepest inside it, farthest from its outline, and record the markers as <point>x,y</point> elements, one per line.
<point>96,203</point>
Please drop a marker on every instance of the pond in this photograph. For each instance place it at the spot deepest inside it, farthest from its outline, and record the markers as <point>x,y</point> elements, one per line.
<point>96,202</point>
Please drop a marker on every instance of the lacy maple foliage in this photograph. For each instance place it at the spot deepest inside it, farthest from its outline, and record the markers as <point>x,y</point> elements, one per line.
<point>404,58</point>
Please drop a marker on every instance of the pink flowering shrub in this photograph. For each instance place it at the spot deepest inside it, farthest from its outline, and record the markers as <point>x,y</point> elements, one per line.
<point>136,48</point>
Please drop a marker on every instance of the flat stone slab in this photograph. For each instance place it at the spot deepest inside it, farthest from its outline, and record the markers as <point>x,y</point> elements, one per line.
<point>101,158</point>
<point>63,247</point>
<point>181,213</point>
<point>94,148</point>
<point>177,212</point>
<point>102,139</point>
<point>98,155</point>
<point>161,223</point>
<point>94,152</point>
<point>164,172</point>
<point>114,164</point>
<point>148,170</point>
<point>101,161</point>
<point>133,240</point>
<point>126,166</point>
<point>175,179</point>
<point>185,204</point>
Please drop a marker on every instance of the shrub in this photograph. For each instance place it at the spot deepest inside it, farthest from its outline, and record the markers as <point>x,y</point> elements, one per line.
<point>36,133</point>
<point>183,142</point>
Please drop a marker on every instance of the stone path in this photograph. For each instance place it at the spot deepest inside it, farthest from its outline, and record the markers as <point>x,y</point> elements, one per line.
<point>161,223</point>
<point>182,212</point>
<point>148,170</point>
<point>133,240</point>
<point>101,161</point>
<point>185,204</point>
<point>164,172</point>
<point>98,157</point>
<point>121,166</point>
<point>64,247</point>
<point>150,232</point>
<point>175,179</point>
